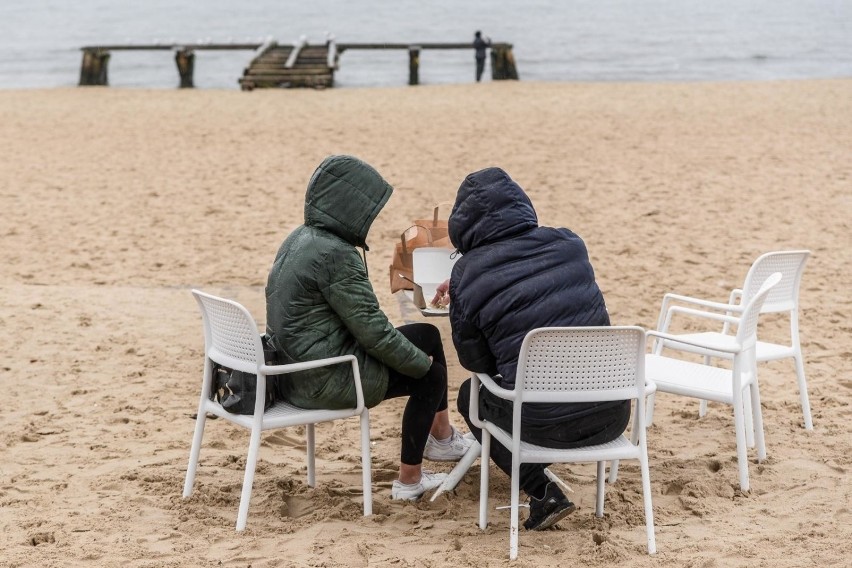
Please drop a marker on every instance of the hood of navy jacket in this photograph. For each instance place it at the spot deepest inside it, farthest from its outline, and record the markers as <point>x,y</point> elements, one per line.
<point>489,207</point>
<point>344,197</point>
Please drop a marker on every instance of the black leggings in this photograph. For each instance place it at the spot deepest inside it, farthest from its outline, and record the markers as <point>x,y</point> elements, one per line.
<point>426,395</point>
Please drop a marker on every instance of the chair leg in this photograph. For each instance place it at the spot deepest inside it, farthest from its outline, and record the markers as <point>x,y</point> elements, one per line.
<point>599,499</point>
<point>310,434</point>
<point>742,454</point>
<point>248,479</point>
<point>516,498</point>
<point>200,421</point>
<point>758,421</point>
<point>366,470</point>
<point>747,415</point>
<point>646,498</point>
<point>649,406</point>
<point>613,471</point>
<point>702,405</point>
<point>634,439</point>
<point>484,462</point>
<point>803,390</point>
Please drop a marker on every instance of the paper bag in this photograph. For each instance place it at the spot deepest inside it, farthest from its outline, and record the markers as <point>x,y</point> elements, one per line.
<point>403,258</point>
<point>436,225</point>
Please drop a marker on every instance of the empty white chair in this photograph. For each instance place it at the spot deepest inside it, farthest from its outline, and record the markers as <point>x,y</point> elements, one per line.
<point>704,381</point>
<point>231,339</point>
<point>784,298</point>
<point>580,364</point>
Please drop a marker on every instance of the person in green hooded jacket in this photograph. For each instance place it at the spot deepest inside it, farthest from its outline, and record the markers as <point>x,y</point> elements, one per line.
<point>320,303</point>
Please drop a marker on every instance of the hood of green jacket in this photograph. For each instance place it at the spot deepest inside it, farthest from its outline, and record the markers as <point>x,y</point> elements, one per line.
<point>344,197</point>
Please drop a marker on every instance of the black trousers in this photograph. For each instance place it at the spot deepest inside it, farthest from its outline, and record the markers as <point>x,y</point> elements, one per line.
<point>480,67</point>
<point>426,395</point>
<point>597,425</point>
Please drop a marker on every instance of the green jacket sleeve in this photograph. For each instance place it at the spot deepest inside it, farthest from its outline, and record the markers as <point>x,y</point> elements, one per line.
<point>346,288</point>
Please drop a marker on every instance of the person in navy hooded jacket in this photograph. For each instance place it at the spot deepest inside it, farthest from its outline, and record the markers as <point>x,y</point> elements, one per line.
<point>515,276</point>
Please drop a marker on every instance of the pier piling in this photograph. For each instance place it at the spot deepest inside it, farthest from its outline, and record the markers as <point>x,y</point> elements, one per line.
<point>93,70</point>
<point>185,60</point>
<point>414,65</point>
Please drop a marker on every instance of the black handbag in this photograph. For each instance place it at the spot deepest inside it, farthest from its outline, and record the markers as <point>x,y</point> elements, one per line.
<point>236,391</point>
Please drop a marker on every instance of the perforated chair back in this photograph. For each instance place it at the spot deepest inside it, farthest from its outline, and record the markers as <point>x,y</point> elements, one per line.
<point>581,364</point>
<point>562,365</point>
<point>747,330</point>
<point>230,333</point>
<point>785,296</point>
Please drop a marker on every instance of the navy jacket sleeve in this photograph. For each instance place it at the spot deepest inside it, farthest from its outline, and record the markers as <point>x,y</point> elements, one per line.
<point>471,344</point>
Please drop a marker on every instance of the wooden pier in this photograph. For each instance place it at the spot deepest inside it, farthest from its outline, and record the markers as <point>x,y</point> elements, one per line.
<point>297,65</point>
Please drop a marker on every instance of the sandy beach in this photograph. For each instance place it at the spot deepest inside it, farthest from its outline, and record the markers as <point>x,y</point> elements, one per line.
<point>116,203</point>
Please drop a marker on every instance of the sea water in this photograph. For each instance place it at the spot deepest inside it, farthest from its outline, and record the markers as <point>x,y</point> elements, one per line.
<point>571,40</point>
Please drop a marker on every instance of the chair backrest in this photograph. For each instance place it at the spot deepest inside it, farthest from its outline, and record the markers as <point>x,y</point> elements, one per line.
<point>230,333</point>
<point>785,296</point>
<point>581,364</point>
<point>747,329</point>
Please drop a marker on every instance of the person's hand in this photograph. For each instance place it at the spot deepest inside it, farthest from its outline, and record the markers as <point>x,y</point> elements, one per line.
<point>442,294</point>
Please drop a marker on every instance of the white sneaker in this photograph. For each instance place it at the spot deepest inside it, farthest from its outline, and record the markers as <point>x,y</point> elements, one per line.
<point>413,491</point>
<point>449,450</point>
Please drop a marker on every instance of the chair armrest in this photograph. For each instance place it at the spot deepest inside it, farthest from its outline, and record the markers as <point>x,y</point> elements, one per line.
<point>494,388</point>
<point>486,381</point>
<point>305,365</point>
<point>727,320</point>
<point>316,363</point>
<point>736,297</point>
<point>650,387</point>
<point>728,308</point>
<point>699,314</point>
<point>679,339</point>
<point>721,306</point>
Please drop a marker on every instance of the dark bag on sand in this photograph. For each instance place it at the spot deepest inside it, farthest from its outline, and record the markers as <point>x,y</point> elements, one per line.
<point>237,391</point>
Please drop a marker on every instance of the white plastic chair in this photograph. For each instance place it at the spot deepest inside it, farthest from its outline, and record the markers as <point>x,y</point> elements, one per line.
<point>703,381</point>
<point>784,298</point>
<point>583,364</point>
<point>231,339</point>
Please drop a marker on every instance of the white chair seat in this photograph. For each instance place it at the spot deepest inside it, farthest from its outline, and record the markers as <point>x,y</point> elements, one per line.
<point>619,449</point>
<point>690,379</point>
<point>717,343</point>
<point>773,351</point>
<point>279,415</point>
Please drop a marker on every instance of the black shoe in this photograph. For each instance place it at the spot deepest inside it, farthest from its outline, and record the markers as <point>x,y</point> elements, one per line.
<point>550,509</point>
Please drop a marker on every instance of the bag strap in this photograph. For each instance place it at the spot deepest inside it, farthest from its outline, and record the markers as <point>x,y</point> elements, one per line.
<point>402,237</point>
<point>435,215</point>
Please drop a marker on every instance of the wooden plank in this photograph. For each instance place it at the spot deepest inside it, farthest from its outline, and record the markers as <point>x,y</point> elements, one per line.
<point>297,47</point>
<point>287,72</point>
<point>277,68</point>
<point>331,55</point>
<point>172,46</point>
<point>423,45</point>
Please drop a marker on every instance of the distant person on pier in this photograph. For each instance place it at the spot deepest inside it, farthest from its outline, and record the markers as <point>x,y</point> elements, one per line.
<point>480,46</point>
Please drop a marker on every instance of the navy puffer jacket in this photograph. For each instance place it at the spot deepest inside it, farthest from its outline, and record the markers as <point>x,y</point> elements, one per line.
<point>514,276</point>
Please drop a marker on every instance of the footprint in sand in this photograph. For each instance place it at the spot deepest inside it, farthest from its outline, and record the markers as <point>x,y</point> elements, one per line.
<point>295,507</point>
<point>42,538</point>
<point>283,438</point>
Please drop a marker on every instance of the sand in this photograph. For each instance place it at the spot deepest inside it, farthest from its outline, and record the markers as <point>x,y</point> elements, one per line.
<point>117,202</point>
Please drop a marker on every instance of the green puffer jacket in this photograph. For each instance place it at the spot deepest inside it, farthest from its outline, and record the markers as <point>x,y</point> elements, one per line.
<point>319,301</point>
